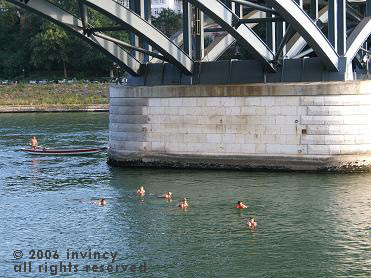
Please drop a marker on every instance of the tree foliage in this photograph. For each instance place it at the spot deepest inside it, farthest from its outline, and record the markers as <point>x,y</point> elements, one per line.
<point>50,47</point>
<point>168,22</point>
<point>30,44</point>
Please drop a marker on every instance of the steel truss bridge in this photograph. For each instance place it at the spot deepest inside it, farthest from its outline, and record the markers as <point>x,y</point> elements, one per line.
<point>302,40</point>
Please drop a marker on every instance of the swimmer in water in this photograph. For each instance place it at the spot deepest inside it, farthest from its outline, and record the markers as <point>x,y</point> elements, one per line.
<point>241,205</point>
<point>167,195</point>
<point>102,202</point>
<point>251,223</point>
<point>141,191</point>
<point>183,204</point>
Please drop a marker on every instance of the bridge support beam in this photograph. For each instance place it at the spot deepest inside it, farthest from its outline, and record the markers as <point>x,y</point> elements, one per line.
<point>271,32</point>
<point>332,23</point>
<point>341,27</point>
<point>147,17</point>
<point>314,9</point>
<point>187,28</point>
<point>142,28</point>
<point>280,16</point>
<point>309,31</point>
<point>199,34</point>
<point>242,33</point>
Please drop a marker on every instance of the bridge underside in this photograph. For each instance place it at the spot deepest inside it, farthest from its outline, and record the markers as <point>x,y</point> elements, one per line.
<point>237,72</point>
<point>286,40</point>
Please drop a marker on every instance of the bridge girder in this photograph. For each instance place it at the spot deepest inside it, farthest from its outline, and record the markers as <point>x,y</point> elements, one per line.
<point>235,30</point>
<point>74,25</point>
<point>243,34</point>
<point>298,43</point>
<point>294,46</point>
<point>219,46</point>
<point>306,27</point>
<point>358,37</point>
<point>142,28</point>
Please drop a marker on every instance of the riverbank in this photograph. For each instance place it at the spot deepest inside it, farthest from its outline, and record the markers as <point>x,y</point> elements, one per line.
<point>54,98</point>
<point>55,108</point>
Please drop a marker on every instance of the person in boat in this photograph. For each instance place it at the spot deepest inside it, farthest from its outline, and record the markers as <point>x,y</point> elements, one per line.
<point>141,191</point>
<point>251,223</point>
<point>167,195</point>
<point>102,202</point>
<point>183,204</point>
<point>241,205</point>
<point>34,143</point>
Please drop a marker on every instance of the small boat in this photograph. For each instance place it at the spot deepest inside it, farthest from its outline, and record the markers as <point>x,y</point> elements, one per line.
<point>79,151</point>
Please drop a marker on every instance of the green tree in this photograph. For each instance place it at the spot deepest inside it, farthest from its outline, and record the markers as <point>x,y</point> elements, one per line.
<point>68,5</point>
<point>16,30</point>
<point>50,48</point>
<point>168,22</point>
<point>29,44</point>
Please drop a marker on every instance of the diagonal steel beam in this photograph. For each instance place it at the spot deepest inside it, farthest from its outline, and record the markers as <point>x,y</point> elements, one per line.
<point>83,15</point>
<point>356,39</point>
<point>74,25</point>
<point>298,43</point>
<point>303,24</point>
<point>254,6</point>
<point>288,34</point>
<point>223,42</point>
<point>129,46</point>
<point>142,28</point>
<point>244,35</point>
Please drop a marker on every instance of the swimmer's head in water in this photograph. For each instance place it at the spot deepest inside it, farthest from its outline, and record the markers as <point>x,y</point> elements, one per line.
<point>239,203</point>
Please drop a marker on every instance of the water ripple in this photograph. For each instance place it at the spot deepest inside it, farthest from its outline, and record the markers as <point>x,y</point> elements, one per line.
<point>309,225</point>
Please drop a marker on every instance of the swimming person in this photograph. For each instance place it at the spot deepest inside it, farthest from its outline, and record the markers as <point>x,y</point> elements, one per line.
<point>34,143</point>
<point>102,202</point>
<point>183,204</point>
<point>241,205</point>
<point>167,195</point>
<point>141,191</point>
<point>251,223</point>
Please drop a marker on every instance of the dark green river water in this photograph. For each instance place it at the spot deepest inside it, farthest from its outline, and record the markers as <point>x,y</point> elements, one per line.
<point>309,225</point>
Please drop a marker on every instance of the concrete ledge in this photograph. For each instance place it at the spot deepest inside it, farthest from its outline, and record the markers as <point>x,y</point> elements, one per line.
<point>341,163</point>
<point>245,90</point>
<point>55,108</point>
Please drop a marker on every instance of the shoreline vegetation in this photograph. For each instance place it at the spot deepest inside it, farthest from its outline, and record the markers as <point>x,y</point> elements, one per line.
<point>54,98</point>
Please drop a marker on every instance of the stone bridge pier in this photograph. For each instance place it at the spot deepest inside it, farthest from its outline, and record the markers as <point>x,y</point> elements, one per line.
<point>287,126</point>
